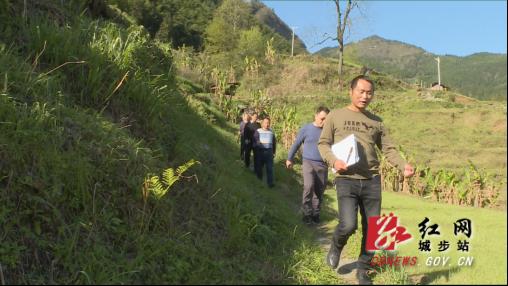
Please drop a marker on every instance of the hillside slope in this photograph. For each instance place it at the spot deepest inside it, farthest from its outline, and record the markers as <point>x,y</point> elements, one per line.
<point>268,17</point>
<point>90,114</point>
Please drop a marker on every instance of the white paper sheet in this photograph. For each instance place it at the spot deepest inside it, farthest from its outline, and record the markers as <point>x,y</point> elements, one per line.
<point>346,150</point>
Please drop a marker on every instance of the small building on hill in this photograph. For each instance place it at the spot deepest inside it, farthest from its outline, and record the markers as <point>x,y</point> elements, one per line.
<point>437,86</point>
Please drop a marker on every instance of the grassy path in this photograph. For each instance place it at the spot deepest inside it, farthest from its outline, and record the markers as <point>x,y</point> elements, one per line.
<point>307,265</point>
<point>487,245</point>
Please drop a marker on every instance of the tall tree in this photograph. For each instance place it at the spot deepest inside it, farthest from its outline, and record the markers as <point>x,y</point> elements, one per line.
<point>219,36</point>
<point>342,23</point>
<point>223,33</point>
<point>252,43</point>
<point>237,13</point>
<point>189,19</point>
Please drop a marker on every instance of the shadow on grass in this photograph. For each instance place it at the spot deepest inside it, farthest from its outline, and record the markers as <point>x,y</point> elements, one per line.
<point>431,277</point>
<point>347,268</point>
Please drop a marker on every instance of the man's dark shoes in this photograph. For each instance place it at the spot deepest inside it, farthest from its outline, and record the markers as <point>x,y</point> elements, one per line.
<point>333,257</point>
<point>363,278</point>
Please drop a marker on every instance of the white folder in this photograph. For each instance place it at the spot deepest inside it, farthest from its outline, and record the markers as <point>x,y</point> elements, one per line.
<point>346,150</point>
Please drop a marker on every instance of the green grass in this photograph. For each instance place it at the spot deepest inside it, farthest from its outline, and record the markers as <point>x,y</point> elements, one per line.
<point>446,137</point>
<point>301,260</point>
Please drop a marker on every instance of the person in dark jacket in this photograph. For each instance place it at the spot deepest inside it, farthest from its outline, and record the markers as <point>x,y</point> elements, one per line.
<point>243,123</point>
<point>250,128</point>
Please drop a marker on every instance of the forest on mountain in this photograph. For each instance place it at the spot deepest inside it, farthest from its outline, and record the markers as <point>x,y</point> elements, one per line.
<point>481,75</point>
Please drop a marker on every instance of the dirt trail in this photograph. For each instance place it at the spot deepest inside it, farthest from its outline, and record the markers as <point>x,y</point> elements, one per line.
<point>347,266</point>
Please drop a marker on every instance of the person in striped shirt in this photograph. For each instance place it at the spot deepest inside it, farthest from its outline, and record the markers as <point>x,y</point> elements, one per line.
<point>265,146</point>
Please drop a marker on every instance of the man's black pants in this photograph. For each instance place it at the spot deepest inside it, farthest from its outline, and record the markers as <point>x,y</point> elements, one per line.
<point>264,157</point>
<point>354,194</point>
<point>243,148</point>
<point>248,149</point>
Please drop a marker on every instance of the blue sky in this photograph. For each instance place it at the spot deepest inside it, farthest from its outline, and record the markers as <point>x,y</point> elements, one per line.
<point>456,28</point>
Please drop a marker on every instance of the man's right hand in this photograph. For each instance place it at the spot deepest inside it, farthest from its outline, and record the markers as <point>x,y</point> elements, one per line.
<point>289,164</point>
<point>409,171</point>
<point>340,166</point>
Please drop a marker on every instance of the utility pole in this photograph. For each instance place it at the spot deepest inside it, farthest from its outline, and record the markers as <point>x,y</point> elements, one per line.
<point>293,40</point>
<point>438,72</point>
<point>24,10</point>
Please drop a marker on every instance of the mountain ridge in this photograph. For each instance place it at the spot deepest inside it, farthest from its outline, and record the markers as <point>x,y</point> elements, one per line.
<point>377,37</point>
<point>480,75</point>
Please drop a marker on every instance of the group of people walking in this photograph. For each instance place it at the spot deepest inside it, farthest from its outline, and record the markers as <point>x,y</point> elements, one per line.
<point>358,186</point>
<point>258,139</point>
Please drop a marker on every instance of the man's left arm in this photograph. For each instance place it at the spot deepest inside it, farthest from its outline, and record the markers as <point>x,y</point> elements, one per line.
<point>255,140</point>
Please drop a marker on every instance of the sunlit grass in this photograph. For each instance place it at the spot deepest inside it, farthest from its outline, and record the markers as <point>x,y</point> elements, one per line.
<point>487,242</point>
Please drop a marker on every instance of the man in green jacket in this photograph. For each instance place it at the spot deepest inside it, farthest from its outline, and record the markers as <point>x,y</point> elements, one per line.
<point>358,186</point>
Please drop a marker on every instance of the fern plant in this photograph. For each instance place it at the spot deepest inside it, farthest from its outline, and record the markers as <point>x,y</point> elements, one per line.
<point>159,187</point>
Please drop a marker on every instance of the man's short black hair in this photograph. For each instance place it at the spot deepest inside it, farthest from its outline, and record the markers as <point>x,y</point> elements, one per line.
<point>354,82</point>
<point>322,108</point>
